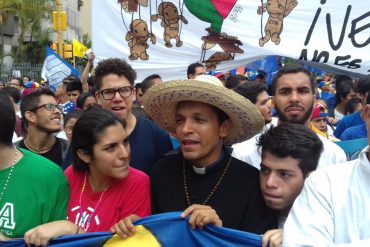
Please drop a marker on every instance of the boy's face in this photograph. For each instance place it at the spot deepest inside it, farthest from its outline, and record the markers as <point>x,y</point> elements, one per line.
<point>73,95</point>
<point>281,180</point>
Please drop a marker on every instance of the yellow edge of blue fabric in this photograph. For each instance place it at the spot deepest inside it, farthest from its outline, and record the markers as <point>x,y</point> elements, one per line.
<point>141,238</point>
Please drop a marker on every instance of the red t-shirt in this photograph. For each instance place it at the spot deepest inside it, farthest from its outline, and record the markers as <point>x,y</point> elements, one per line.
<point>123,197</point>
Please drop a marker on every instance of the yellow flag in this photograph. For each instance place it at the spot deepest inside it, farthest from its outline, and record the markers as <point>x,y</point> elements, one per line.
<point>79,49</point>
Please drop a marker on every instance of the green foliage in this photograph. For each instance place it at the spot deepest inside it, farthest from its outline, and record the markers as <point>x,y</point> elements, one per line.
<point>30,14</point>
<point>86,40</point>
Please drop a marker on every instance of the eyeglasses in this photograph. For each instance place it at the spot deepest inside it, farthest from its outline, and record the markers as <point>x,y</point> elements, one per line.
<point>109,93</point>
<point>49,107</point>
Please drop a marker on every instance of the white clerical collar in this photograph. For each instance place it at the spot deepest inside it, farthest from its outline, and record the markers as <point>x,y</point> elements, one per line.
<point>199,170</point>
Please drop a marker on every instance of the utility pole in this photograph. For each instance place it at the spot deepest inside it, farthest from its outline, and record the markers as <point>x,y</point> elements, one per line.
<point>59,27</point>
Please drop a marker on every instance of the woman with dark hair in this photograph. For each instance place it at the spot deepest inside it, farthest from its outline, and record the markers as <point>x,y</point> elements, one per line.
<point>85,101</point>
<point>104,188</point>
<point>345,91</point>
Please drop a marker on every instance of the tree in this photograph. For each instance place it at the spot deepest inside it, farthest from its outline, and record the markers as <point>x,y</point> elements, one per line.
<point>7,8</point>
<point>30,15</point>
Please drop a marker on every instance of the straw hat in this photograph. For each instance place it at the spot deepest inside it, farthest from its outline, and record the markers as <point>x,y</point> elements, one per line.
<point>160,103</point>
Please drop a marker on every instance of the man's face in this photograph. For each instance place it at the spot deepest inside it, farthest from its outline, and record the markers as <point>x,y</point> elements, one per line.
<point>294,99</point>
<point>16,84</point>
<point>281,180</point>
<point>198,71</point>
<point>264,106</point>
<point>121,106</point>
<point>199,132</point>
<point>45,120</point>
<point>73,95</point>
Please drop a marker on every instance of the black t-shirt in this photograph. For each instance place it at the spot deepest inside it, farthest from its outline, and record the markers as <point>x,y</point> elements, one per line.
<point>237,200</point>
<point>55,154</point>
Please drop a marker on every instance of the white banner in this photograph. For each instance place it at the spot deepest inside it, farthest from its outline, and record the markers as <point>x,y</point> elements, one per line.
<point>164,37</point>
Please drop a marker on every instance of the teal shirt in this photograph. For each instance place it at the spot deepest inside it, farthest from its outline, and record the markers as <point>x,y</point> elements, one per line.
<point>37,193</point>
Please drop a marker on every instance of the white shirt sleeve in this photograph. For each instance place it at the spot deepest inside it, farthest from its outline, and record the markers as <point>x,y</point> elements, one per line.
<point>310,221</point>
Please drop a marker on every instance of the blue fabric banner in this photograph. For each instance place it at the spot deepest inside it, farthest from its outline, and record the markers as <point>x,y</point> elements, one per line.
<point>55,69</point>
<point>167,229</point>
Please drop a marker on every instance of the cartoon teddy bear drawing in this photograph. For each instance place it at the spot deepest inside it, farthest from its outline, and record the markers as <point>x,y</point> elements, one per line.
<point>132,5</point>
<point>218,57</point>
<point>170,17</point>
<point>137,39</point>
<point>277,10</point>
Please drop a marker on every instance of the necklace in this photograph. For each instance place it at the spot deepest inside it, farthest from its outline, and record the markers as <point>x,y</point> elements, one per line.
<point>10,174</point>
<point>42,151</point>
<point>93,213</point>
<point>214,187</point>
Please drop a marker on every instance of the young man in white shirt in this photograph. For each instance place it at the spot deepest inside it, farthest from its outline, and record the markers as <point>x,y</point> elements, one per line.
<point>293,93</point>
<point>332,209</point>
<point>289,153</point>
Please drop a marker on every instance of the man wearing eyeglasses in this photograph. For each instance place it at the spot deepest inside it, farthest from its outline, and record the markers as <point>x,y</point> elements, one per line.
<point>41,120</point>
<point>114,80</point>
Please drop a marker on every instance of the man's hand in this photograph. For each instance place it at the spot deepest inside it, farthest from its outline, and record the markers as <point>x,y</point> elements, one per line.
<point>125,228</point>
<point>273,238</point>
<point>91,56</point>
<point>201,215</point>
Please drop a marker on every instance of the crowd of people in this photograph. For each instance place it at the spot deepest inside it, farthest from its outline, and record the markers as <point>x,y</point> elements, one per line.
<point>98,153</point>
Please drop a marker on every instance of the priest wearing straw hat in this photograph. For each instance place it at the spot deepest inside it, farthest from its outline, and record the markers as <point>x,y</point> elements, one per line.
<point>203,180</point>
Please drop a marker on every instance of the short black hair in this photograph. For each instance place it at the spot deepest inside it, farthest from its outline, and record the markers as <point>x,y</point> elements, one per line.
<point>70,79</point>
<point>90,81</point>
<point>192,67</point>
<point>363,85</point>
<point>343,89</point>
<point>368,97</point>
<point>86,132</point>
<point>29,78</point>
<point>261,74</point>
<point>294,140</point>
<point>14,93</point>
<point>114,66</point>
<point>234,80</point>
<point>31,101</point>
<point>74,85</point>
<point>292,69</point>
<point>7,119</point>
<point>138,85</point>
<point>251,90</point>
<point>148,82</point>
<point>339,78</point>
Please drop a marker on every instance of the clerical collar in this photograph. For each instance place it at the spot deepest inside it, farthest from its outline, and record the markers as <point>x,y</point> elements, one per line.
<point>213,166</point>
